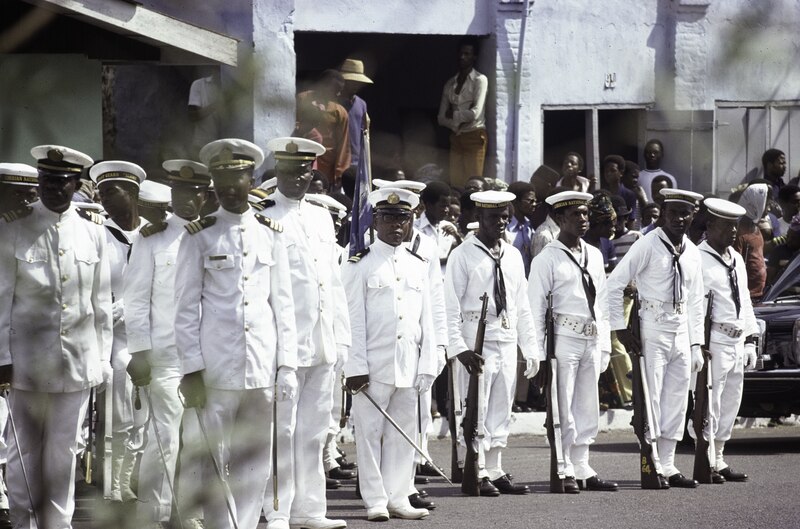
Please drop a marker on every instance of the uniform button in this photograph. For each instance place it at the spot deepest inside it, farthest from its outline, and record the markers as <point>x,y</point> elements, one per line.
<point>246,278</point>
<point>400,317</point>
<point>241,229</point>
<point>246,327</point>
<point>246,302</point>
<point>64,306</point>
<point>61,252</point>
<point>398,336</point>
<point>245,253</point>
<point>63,333</point>
<point>397,278</point>
<point>58,224</point>
<point>64,278</point>
<point>399,298</point>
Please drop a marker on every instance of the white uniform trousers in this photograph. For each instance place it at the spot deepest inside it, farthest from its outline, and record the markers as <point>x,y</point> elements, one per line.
<point>238,423</point>
<point>48,425</point>
<point>578,371</point>
<point>155,472</point>
<point>668,366</point>
<point>330,451</point>
<point>499,384</point>
<point>385,459</point>
<point>302,429</point>
<point>727,369</point>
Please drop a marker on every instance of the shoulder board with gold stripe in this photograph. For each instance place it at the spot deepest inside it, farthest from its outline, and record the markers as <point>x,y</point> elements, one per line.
<point>270,223</point>
<point>16,214</point>
<point>152,229</point>
<point>357,257</point>
<point>267,203</point>
<point>91,216</point>
<point>199,225</point>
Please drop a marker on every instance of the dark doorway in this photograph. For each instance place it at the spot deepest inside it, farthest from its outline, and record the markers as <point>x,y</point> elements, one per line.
<point>408,72</point>
<point>619,133</point>
<point>564,131</point>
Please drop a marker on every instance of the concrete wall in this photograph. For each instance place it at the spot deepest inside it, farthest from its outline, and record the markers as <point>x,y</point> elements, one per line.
<point>49,99</point>
<point>432,17</point>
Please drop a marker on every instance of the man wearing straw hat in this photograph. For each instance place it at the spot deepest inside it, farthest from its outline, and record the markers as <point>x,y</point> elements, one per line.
<point>352,71</point>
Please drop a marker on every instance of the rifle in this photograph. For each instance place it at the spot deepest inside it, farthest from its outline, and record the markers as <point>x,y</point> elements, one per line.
<point>456,473</point>
<point>652,476</point>
<point>552,421</point>
<point>473,416</point>
<point>704,452</point>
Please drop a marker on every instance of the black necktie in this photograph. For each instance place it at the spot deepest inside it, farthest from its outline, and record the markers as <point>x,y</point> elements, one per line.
<point>499,282</point>
<point>677,274</point>
<point>586,280</point>
<point>733,280</point>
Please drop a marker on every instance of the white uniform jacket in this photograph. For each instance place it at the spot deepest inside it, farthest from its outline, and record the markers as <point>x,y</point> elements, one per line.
<point>553,271</point>
<point>120,243</point>
<point>649,263</point>
<point>319,300</point>
<point>470,273</point>
<point>390,316</point>
<point>426,247</point>
<point>234,312</point>
<point>715,278</point>
<point>55,307</point>
<point>150,294</point>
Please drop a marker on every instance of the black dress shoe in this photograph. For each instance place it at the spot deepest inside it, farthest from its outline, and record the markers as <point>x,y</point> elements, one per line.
<point>421,480</point>
<point>331,484</point>
<point>731,475</point>
<point>681,482</point>
<point>418,502</point>
<point>571,486</point>
<point>487,488</point>
<point>664,482</point>
<point>426,469</point>
<point>516,409</point>
<point>423,493</point>
<point>716,478</point>
<point>345,464</point>
<point>506,485</point>
<point>595,483</point>
<point>340,473</point>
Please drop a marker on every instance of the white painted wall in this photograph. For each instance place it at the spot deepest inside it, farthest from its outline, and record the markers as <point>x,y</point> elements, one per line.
<point>432,17</point>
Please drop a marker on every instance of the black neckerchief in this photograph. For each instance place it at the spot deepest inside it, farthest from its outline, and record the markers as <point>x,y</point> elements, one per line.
<point>733,279</point>
<point>499,281</point>
<point>586,279</point>
<point>677,273</point>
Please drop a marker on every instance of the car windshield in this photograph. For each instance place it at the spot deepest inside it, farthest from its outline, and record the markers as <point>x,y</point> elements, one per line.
<point>788,284</point>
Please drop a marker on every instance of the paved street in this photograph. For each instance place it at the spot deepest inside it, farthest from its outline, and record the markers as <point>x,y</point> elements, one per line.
<point>771,456</point>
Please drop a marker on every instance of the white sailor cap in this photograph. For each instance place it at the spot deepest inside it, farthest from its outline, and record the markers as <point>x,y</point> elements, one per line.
<point>60,160</point>
<point>231,154</point>
<point>411,185</point>
<point>19,174</point>
<point>492,199</point>
<point>724,208</point>
<point>393,198</point>
<point>295,149</point>
<point>154,195</point>
<point>331,204</point>
<point>472,226</point>
<point>187,172</point>
<point>117,171</point>
<point>90,206</point>
<point>269,185</point>
<point>680,195</point>
<point>565,199</point>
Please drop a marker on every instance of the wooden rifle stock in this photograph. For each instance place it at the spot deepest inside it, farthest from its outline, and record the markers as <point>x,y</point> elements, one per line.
<point>553,421</point>
<point>702,402</point>
<point>649,464</point>
<point>472,437</point>
<point>456,473</point>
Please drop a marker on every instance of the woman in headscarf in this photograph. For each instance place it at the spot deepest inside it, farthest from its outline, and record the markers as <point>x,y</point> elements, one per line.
<point>749,241</point>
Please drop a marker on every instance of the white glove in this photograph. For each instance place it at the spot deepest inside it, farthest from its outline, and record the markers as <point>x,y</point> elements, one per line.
<point>108,377</point>
<point>605,358</point>
<point>286,384</point>
<point>117,312</point>
<point>424,383</point>
<point>531,367</point>
<point>342,354</point>
<point>441,359</point>
<point>697,359</point>
<point>750,355</point>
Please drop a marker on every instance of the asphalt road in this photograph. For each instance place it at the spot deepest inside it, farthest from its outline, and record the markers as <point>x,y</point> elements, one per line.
<point>771,456</point>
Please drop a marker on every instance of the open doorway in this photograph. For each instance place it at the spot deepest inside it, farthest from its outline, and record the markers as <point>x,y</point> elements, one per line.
<point>408,72</point>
